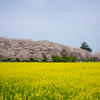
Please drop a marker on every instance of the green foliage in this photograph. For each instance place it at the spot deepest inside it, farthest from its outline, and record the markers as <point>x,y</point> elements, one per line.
<point>45,59</point>
<point>84,60</point>
<point>88,60</point>
<point>86,47</point>
<point>32,60</point>
<point>7,60</point>
<point>36,60</point>
<point>66,58</point>
<point>17,59</point>
<point>57,58</point>
<point>4,60</point>
<point>91,60</point>
<point>25,61</point>
<point>73,59</point>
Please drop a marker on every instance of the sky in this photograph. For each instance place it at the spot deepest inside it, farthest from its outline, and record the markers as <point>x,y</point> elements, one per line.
<point>68,22</point>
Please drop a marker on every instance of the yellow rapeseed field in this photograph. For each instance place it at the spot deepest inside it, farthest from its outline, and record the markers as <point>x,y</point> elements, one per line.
<point>49,81</point>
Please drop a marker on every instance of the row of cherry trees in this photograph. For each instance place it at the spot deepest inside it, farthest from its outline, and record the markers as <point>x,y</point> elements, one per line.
<point>25,49</point>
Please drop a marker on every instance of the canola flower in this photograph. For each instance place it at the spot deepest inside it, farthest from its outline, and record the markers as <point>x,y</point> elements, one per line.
<point>49,81</point>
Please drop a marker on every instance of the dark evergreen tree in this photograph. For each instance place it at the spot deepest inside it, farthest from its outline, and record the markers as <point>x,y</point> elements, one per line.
<point>86,47</point>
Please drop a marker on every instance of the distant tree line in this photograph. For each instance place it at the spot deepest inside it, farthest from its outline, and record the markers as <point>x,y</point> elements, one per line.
<point>17,50</point>
<point>55,58</point>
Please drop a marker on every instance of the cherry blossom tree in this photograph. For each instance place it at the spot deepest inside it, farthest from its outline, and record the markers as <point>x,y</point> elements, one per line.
<point>24,49</point>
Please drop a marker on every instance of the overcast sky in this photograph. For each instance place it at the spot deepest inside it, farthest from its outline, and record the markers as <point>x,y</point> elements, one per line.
<point>69,22</point>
